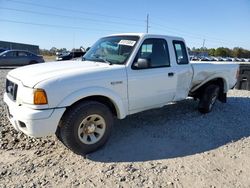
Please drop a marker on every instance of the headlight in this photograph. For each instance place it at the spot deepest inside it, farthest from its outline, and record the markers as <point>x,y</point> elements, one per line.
<point>40,97</point>
<point>25,95</point>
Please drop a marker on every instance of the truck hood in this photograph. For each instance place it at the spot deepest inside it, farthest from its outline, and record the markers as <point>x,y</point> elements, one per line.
<point>33,74</point>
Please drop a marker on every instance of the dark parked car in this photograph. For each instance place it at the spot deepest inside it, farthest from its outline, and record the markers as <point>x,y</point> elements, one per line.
<point>70,55</point>
<point>204,59</point>
<point>2,50</point>
<point>19,57</point>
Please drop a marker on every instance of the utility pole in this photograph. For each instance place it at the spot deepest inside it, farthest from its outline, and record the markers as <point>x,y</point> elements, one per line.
<point>147,23</point>
<point>203,46</point>
<point>73,51</point>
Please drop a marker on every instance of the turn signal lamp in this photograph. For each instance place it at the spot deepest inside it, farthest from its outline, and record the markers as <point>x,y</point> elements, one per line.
<point>40,97</point>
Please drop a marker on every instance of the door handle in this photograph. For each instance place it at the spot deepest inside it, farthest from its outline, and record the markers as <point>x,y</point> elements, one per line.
<point>170,74</point>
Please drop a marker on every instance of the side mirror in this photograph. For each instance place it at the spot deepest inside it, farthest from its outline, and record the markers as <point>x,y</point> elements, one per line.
<point>87,49</point>
<point>141,63</point>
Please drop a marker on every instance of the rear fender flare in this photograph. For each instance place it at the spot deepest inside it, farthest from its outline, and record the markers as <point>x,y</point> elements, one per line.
<point>211,78</point>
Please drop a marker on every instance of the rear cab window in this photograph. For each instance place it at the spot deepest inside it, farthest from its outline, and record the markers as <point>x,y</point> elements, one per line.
<point>180,52</point>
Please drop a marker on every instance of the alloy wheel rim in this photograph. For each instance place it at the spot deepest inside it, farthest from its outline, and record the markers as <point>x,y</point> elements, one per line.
<point>213,100</point>
<point>91,129</point>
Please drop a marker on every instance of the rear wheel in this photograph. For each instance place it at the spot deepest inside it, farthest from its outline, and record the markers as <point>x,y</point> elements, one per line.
<point>208,98</point>
<point>85,127</point>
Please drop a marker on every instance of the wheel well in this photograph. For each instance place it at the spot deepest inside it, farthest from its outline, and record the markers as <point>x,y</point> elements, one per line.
<point>101,99</point>
<point>219,82</point>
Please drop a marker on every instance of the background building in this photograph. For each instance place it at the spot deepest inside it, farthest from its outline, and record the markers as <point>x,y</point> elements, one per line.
<point>19,46</point>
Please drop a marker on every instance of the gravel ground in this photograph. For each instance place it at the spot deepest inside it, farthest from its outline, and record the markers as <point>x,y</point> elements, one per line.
<point>170,147</point>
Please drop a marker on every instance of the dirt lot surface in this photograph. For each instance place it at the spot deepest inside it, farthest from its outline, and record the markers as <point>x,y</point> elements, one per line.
<point>174,146</point>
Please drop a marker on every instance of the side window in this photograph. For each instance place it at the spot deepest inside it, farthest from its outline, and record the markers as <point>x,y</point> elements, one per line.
<point>156,52</point>
<point>22,54</point>
<point>180,52</point>
<point>146,50</point>
<point>10,54</point>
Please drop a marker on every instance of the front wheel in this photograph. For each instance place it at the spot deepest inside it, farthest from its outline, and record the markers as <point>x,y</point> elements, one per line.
<point>85,127</point>
<point>208,98</point>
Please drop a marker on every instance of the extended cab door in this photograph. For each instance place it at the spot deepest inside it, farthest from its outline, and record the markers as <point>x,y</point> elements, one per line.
<point>153,83</point>
<point>183,70</point>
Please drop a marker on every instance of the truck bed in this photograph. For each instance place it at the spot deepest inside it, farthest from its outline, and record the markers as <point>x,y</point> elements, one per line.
<point>206,71</point>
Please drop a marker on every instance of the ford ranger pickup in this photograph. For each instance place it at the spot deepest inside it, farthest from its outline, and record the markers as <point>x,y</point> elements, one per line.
<point>120,75</point>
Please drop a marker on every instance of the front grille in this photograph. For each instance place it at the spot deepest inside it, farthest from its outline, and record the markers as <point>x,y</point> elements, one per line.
<point>11,89</point>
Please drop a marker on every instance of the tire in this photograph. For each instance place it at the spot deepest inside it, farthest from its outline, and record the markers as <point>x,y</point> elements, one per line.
<point>208,98</point>
<point>85,127</point>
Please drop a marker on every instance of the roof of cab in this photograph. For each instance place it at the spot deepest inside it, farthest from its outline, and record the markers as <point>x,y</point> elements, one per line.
<point>147,35</point>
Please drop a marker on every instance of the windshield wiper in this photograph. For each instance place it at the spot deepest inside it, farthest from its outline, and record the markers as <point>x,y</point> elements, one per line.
<point>103,59</point>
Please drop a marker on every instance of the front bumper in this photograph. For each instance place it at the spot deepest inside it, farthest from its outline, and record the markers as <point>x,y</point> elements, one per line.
<point>33,122</point>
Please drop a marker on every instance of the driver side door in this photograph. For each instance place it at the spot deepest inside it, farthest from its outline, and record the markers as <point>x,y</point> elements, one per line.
<point>155,85</point>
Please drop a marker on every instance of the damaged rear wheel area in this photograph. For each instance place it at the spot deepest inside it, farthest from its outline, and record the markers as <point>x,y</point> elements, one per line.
<point>208,98</point>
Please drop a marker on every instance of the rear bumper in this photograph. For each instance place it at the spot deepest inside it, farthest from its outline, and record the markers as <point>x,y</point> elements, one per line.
<point>32,122</point>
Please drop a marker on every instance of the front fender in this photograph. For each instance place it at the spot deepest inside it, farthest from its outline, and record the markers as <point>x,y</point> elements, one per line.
<point>120,104</point>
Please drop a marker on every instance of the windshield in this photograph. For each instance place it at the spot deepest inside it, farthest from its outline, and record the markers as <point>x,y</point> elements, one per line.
<point>113,50</point>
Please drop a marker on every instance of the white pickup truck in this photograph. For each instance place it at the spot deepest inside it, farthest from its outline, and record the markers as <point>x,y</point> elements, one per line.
<point>120,75</point>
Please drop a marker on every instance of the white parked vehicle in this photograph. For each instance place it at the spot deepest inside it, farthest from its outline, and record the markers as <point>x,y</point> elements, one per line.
<point>120,75</point>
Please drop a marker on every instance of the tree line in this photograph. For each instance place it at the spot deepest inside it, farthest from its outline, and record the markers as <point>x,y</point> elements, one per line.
<point>237,52</point>
<point>218,52</point>
<point>53,51</point>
